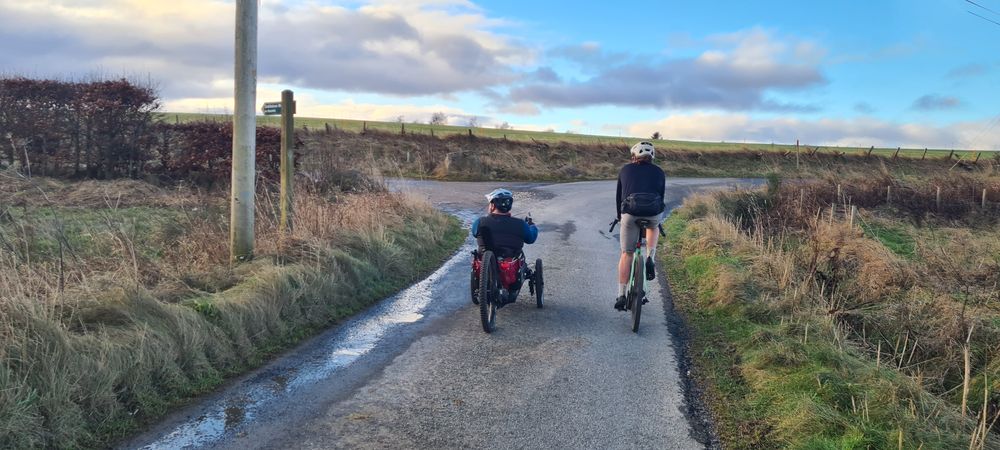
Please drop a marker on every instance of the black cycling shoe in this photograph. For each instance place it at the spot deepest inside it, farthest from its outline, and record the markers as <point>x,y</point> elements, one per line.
<point>650,269</point>
<point>620,304</point>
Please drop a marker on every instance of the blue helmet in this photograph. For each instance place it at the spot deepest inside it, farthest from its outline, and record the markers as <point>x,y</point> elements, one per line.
<point>502,199</point>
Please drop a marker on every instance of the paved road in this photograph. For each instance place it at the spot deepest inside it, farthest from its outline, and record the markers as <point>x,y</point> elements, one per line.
<point>417,371</point>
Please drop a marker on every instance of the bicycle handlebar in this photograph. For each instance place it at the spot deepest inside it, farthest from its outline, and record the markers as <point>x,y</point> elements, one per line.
<point>659,226</point>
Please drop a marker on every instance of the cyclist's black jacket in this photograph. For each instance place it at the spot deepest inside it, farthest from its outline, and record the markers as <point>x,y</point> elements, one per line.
<point>639,177</point>
<point>509,234</point>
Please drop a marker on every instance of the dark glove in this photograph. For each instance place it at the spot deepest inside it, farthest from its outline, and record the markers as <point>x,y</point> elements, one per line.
<point>529,221</point>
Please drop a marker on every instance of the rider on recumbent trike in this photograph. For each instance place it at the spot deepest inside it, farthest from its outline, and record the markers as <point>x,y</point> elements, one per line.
<point>503,236</point>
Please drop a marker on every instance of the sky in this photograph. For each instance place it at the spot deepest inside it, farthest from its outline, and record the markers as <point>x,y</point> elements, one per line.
<point>915,73</point>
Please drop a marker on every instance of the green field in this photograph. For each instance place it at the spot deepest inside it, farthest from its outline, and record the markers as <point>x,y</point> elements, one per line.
<point>357,126</point>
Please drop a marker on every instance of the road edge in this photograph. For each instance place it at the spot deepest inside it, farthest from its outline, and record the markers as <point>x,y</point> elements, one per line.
<point>695,410</point>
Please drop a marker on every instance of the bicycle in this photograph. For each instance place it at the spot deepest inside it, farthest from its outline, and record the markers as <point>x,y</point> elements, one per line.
<point>636,289</point>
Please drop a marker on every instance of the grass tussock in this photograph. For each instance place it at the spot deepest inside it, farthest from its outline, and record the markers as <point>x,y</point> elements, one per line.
<point>116,302</point>
<point>844,321</point>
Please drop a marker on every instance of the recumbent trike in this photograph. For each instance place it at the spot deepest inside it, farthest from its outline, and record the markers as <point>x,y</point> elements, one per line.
<point>496,279</point>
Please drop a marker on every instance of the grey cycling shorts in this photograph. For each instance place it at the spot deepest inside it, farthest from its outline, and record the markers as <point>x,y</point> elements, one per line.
<point>630,231</point>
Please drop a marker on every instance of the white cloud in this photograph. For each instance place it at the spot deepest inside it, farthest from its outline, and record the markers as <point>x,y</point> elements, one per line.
<point>308,106</point>
<point>932,102</point>
<point>839,132</point>
<point>519,108</point>
<point>398,48</point>
<point>738,73</point>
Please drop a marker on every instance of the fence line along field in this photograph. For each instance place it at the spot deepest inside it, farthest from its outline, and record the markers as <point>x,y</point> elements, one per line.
<point>357,126</point>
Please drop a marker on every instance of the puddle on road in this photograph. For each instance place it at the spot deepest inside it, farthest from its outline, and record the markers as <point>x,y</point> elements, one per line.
<point>355,339</point>
<point>565,230</point>
<point>234,416</point>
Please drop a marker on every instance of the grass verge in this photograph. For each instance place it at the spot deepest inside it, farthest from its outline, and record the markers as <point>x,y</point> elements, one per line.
<point>110,317</point>
<point>780,371</point>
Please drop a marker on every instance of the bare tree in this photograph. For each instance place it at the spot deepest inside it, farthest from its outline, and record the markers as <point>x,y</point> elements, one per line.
<point>439,118</point>
<point>503,126</point>
<point>656,135</point>
<point>473,122</point>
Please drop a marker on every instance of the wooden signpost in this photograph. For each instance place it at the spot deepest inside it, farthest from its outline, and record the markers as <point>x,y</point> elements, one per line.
<point>285,108</point>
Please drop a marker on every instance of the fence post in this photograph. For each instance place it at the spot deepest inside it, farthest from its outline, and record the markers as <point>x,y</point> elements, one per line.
<point>984,198</point>
<point>939,198</point>
<point>326,126</point>
<point>796,154</point>
<point>977,158</point>
<point>432,132</point>
<point>888,194</point>
<point>364,127</point>
<point>839,192</point>
<point>895,155</point>
<point>925,154</point>
<point>470,132</point>
<point>854,210</point>
<point>402,129</point>
<point>951,154</point>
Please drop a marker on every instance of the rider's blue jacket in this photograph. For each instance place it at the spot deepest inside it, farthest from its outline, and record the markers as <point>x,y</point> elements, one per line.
<point>509,234</point>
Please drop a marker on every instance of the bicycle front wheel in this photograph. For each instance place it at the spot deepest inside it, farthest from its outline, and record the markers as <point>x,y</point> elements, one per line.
<point>489,292</point>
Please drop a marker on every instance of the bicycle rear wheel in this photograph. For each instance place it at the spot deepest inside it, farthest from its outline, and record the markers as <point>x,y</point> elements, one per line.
<point>636,294</point>
<point>489,292</point>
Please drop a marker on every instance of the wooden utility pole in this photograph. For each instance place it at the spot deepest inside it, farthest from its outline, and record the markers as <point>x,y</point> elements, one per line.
<point>287,159</point>
<point>241,209</point>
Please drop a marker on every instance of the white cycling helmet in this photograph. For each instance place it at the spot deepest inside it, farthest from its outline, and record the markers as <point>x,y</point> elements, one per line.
<point>502,199</point>
<point>643,149</point>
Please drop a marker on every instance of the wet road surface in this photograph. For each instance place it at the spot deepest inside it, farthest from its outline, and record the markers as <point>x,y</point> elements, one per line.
<point>417,371</point>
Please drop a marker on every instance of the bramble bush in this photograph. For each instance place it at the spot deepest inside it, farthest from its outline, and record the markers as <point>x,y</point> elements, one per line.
<point>107,129</point>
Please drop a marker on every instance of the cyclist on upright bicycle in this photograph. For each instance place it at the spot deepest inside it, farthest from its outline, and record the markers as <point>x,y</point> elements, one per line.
<point>641,186</point>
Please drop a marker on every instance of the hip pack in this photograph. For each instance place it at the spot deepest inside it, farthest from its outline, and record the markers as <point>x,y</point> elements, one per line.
<point>643,204</point>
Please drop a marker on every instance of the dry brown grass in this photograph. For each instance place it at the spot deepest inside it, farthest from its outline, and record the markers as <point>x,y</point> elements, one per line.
<point>818,300</point>
<point>117,299</point>
<point>904,284</point>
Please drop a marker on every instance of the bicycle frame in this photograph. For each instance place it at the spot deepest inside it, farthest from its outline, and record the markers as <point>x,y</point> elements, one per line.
<point>636,256</point>
<point>637,295</point>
